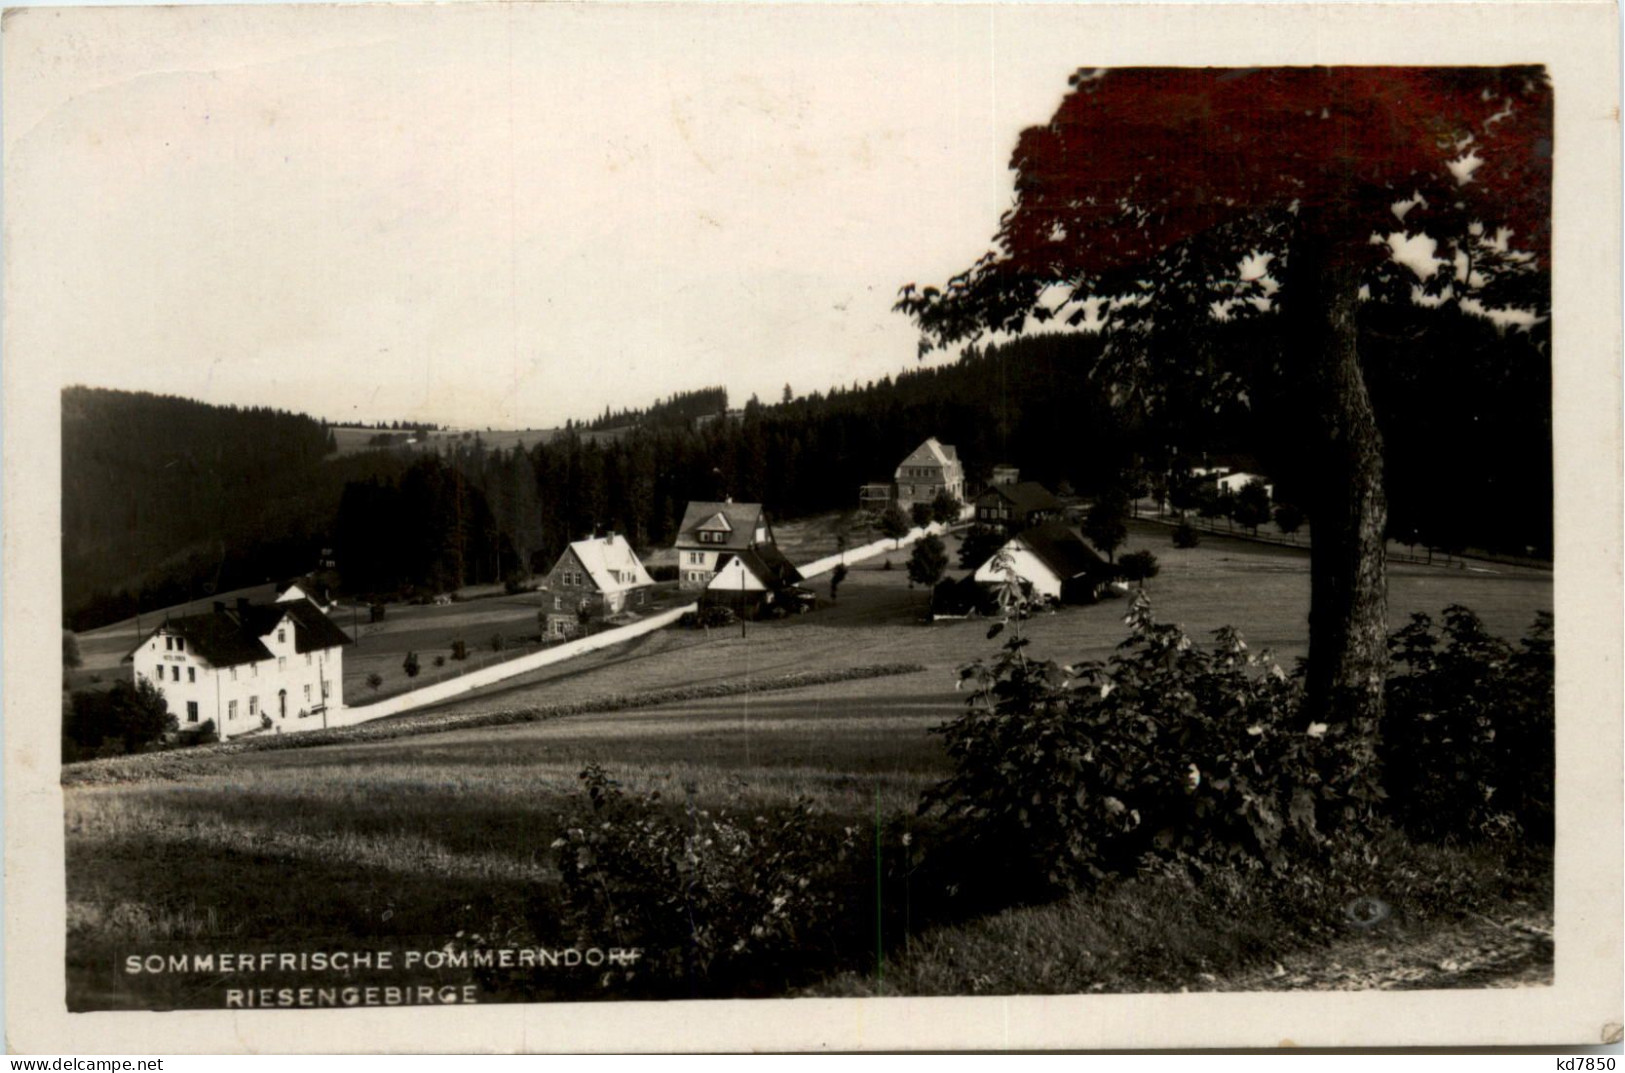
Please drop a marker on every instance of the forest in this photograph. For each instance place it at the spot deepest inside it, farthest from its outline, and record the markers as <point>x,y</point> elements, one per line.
<point>166,499</point>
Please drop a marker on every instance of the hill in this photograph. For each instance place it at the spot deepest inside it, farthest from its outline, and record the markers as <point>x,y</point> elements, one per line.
<point>166,499</point>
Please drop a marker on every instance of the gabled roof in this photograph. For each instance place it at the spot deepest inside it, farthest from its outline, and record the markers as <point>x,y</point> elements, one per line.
<point>230,636</point>
<point>766,563</point>
<point>1059,547</point>
<point>742,520</point>
<point>605,557</point>
<point>1025,496</point>
<point>932,453</point>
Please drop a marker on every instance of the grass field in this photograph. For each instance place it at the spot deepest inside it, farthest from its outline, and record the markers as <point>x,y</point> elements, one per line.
<point>424,836</point>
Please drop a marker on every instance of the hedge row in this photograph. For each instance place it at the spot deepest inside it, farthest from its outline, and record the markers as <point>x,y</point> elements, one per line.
<point>179,765</point>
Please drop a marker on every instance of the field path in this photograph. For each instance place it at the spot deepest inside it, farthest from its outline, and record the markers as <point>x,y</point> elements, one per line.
<point>1476,952</point>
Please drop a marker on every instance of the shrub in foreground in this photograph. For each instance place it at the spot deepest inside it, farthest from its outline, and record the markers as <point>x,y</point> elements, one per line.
<point>1468,734</point>
<point>736,902</point>
<point>1167,748</point>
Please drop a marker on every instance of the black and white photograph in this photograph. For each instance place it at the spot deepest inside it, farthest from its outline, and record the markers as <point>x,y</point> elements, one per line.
<point>865,518</point>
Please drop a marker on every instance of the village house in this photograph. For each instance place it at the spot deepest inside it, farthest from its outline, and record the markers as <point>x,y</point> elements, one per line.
<point>711,530</point>
<point>1011,508</point>
<point>932,469</point>
<point>596,577</point>
<point>1235,482</point>
<point>1053,561</point>
<point>247,667</point>
<point>1004,473</point>
<point>752,580</point>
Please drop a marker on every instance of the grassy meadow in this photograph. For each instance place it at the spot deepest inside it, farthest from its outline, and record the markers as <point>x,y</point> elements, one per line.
<point>421,837</point>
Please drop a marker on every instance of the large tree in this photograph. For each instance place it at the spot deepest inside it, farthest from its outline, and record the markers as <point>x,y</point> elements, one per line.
<point>1159,203</point>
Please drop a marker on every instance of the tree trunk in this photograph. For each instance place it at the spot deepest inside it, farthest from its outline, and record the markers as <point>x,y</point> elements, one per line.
<point>1348,603</point>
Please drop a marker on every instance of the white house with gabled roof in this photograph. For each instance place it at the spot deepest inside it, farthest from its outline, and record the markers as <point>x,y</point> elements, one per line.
<point>598,576</point>
<point>247,666</point>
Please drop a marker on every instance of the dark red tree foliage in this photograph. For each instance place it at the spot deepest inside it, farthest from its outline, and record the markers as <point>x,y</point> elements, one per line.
<point>1149,184</point>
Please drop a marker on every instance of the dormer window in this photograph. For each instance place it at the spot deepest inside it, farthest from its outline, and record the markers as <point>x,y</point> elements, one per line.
<point>180,644</point>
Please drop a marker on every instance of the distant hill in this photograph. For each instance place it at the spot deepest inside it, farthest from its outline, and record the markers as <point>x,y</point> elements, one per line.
<point>165,499</point>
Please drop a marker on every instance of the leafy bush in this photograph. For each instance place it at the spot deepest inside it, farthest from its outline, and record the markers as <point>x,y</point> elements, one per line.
<point>1164,749</point>
<point>978,545</point>
<point>440,661</point>
<point>945,507</point>
<point>125,718</point>
<point>1138,566</point>
<point>894,523</point>
<point>202,734</point>
<point>708,617</point>
<point>1468,734</point>
<point>411,665</point>
<point>374,680</point>
<point>459,649</point>
<point>711,898</point>
<point>1186,536</point>
<point>927,561</point>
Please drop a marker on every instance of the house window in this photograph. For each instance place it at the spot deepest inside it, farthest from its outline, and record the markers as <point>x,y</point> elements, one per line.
<point>191,674</point>
<point>180,644</point>
<point>307,691</point>
<point>169,644</point>
<point>324,689</point>
<point>234,674</point>
<point>175,674</point>
<point>281,636</point>
<point>191,711</point>
<point>253,706</point>
<point>231,709</point>
<point>558,603</point>
<point>255,669</point>
<point>282,663</point>
<point>307,659</point>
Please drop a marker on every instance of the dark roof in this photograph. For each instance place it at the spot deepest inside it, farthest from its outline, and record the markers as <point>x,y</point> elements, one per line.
<point>312,630</point>
<point>230,636</point>
<point>768,563</point>
<point>1060,548</point>
<point>742,521</point>
<point>1025,496</point>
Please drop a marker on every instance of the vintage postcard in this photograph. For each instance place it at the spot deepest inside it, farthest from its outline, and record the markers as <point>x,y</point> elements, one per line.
<point>775,527</point>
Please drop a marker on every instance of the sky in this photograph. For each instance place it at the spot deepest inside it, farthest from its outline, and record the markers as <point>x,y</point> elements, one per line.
<point>501,216</point>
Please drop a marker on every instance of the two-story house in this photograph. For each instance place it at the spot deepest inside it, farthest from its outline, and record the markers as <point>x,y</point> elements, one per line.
<point>931,469</point>
<point>247,666</point>
<point>599,576</point>
<point>711,530</point>
<point>1011,508</point>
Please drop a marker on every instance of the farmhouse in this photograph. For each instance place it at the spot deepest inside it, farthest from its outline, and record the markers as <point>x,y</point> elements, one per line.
<point>1235,482</point>
<point>1014,507</point>
<point>711,530</point>
<point>598,577</point>
<point>247,666</point>
<point>1054,561</point>
<point>933,468</point>
<point>751,580</point>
